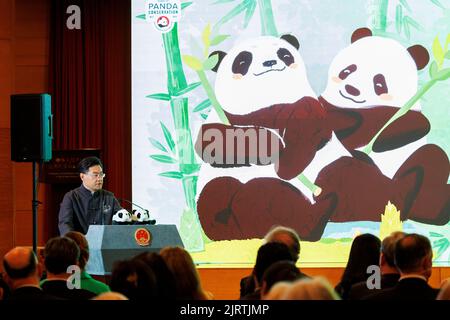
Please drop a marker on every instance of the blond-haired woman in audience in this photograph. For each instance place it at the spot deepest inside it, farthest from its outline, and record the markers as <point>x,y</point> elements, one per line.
<point>187,279</point>
<point>310,289</point>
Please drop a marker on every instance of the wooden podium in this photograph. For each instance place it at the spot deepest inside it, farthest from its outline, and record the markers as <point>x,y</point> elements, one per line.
<point>110,243</point>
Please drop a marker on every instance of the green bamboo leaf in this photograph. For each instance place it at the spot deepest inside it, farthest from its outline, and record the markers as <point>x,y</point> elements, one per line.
<point>158,145</point>
<point>438,52</point>
<point>159,96</point>
<point>406,5</point>
<point>447,42</point>
<point>223,1</point>
<point>438,3</point>
<point>443,75</point>
<point>433,69</point>
<point>443,248</point>
<point>190,87</point>
<point>141,16</point>
<point>184,5</point>
<point>219,39</point>
<point>211,62</point>
<point>172,174</point>
<point>398,18</point>
<point>249,13</point>
<point>435,234</point>
<point>406,28</point>
<point>202,105</point>
<point>163,158</point>
<point>233,13</point>
<point>447,55</point>
<point>168,137</point>
<point>205,35</point>
<point>413,23</point>
<point>192,62</point>
<point>204,116</point>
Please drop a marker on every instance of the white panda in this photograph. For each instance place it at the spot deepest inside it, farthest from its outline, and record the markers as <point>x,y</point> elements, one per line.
<point>376,71</point>
<point>368,82</point>
<point>140,217</point>
<point>122,217</point>
<point>253,79</point>
<point>242,94</point>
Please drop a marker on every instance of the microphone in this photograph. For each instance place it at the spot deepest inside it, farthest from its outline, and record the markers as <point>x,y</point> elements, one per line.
<point>151,221</point>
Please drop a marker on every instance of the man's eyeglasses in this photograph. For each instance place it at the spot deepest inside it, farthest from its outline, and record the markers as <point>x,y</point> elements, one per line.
<point>96,175</point>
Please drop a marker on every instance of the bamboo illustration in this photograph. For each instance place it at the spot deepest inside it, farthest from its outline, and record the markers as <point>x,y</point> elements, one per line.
<point>182,146</point>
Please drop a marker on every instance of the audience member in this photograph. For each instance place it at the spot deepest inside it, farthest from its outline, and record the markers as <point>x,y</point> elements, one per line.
<point>110,295</point>
<point>87,282</point>
<point>165,281</point>
<point>134,279</point>
<point>277,291</point>
<point>187,279</point>
<point>388,270</point>
<point>281,271</point>
<point>22,273</point>
<point>365,252</point>
<point>444,292</point>
<point>267,255</point>
<point>413,258</point>
<point>280,234</point>
<point>317,288</point>
<point>4,289</point>
<point>60,253</point>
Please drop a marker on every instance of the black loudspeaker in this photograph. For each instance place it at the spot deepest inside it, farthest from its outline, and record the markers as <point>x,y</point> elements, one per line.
<point>31,128</point>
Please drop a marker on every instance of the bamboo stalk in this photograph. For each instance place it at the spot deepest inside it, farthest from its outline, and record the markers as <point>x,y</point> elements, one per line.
<point>268,27</point>
<point>176,81</point>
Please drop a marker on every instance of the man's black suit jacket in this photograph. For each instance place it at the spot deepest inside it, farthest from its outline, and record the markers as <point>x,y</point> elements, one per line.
<point>360,290</point>
<point>406,289</point>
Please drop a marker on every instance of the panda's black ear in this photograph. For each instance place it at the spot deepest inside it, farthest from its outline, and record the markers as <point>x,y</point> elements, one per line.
<point>291,39</point>
<point>221,55</point>
<point>420,56</point>
<point>361,33</point>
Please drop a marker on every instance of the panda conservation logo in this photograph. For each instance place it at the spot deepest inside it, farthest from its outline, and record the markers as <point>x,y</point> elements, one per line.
<point>163,14</point>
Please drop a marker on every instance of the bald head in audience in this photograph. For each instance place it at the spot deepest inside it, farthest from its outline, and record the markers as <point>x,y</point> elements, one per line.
<point>21,267</point>
<point>413,255</point>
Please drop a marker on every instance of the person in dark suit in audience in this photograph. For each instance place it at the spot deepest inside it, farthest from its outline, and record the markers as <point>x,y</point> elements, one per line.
<point>280,234</point>
<point>22,273</point>
<point>365,252</point>
<point>413,258</point>
<point>61,256</point>
<point>268,254</point>
<point>388,270</point>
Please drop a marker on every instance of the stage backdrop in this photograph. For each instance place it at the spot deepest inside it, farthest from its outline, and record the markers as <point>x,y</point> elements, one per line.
<point>337,172</point>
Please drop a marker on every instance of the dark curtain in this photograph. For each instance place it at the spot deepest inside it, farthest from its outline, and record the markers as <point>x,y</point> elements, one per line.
<point>90,84</point>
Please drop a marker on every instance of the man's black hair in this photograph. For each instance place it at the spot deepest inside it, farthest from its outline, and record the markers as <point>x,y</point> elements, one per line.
<point>24,272</point>
<point>88,162</point>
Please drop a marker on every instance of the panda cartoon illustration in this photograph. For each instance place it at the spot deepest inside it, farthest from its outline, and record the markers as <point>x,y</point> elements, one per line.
<point>122,217</point>
<point>264,91</point>
<point>368,82</point>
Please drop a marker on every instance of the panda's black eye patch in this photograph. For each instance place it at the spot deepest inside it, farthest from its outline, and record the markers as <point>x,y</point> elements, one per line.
<point>347,71</point>
<point>242,63</point>
<point>285,56</point>
<point>379,84</point>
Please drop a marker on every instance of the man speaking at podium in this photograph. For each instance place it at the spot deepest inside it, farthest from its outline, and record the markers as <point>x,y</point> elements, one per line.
<point>89,203</point>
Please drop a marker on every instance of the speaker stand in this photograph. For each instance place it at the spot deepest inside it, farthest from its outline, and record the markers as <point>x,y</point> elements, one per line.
<point>35,204</point>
